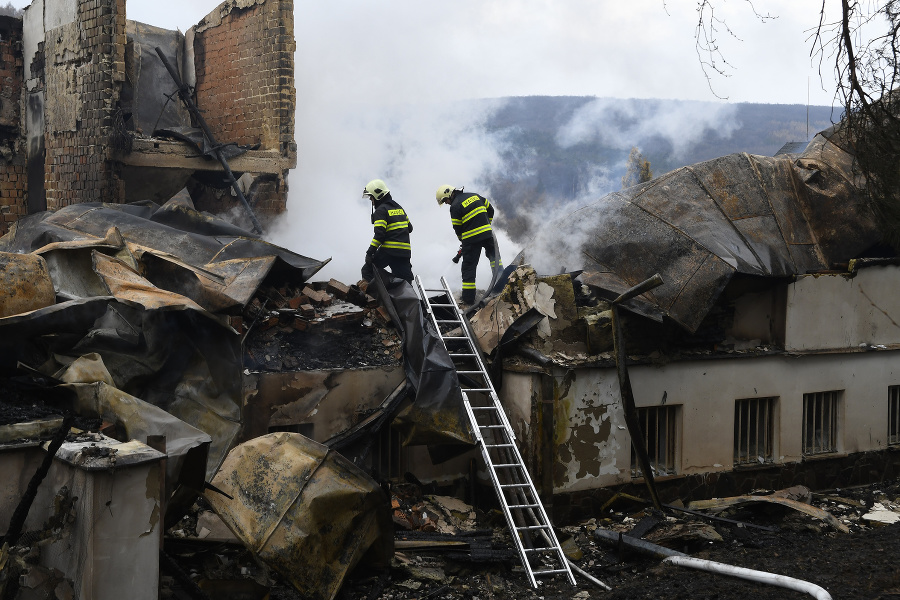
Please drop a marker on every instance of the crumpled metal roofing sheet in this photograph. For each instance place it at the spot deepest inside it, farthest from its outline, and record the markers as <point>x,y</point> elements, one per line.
<point>699,225</point>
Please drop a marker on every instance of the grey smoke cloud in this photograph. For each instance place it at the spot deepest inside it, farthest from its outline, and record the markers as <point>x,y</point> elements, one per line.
<point>621,124</point>
<point>414,148</point>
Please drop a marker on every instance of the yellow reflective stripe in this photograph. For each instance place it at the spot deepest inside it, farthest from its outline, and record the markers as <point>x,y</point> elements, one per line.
<point>380,223</point>
<point>397,245</point>
<point>400,225</point>
<point>375,243</point>
<point>456,221</point>
<point>468,286</point>
<point>473,212</point>
<point>476,231</point>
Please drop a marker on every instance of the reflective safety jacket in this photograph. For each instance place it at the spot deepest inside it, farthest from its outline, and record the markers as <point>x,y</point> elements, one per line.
<point>471,216</point>
<point>392,228</point>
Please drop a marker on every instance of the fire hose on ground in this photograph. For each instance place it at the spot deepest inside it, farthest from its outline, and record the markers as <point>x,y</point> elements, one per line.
<point>683,560</point>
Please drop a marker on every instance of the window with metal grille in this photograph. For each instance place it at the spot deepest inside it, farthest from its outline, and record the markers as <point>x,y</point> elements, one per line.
<point>820,420</point>
<point>894,414</point>
<point>658,427</point>
<point>753,428</point>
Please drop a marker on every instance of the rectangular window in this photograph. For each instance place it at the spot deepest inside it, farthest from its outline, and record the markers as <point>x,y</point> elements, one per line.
<point>753,428</point>
<point>894,414</point>
<point>820,419</point>
<point>658,427</point>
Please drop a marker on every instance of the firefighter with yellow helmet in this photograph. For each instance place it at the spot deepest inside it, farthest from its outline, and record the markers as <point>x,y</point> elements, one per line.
<point>471,216</point>
<point>390,242</point>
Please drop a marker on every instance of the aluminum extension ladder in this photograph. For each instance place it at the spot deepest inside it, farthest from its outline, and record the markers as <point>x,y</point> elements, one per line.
<point>531,530</point>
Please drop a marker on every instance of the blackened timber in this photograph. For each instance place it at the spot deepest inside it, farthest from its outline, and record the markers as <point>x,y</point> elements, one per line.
<point>631,418</point>
<point>185,96</point>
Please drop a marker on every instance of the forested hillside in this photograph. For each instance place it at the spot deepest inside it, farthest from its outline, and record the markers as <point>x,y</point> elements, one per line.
<point>561,152</point>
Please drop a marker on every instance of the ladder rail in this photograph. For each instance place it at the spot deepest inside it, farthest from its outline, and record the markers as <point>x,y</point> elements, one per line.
<point>517,495</point>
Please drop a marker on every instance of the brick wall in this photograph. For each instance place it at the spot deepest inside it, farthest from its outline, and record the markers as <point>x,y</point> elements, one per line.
<point>84,63</point>
<point>244,58</point>
<point>13,186</point>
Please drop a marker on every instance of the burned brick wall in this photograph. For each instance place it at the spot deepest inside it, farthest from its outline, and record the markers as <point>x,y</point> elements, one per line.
<point>84,63</point>
<point>244,61</point>
<point>13,180</point>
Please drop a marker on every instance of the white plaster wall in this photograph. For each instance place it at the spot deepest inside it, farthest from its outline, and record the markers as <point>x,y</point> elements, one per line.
<point>594,444</point>
<point>32,36</point>
<point>838,311</point>
<point>59,12</point>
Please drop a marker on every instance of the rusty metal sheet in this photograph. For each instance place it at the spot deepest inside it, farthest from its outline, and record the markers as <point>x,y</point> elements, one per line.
<point>25,284</point>
<point>304,509</point>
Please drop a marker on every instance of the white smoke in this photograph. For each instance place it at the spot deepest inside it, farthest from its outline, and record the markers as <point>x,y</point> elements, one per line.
<point>623,124</point>
<point>414,149</point>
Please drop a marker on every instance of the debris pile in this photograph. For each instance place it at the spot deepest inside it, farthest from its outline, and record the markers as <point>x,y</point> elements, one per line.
<point>322,325</point>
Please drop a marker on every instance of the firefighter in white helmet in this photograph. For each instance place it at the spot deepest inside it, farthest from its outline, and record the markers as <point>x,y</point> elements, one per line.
<point>471,216</point>
<point>390,242</point>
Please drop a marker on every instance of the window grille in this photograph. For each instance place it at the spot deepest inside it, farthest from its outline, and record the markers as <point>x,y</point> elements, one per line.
<point>894,414</point>
<point>753,430</point>
<point>658,427</point>
<point>820,411</point>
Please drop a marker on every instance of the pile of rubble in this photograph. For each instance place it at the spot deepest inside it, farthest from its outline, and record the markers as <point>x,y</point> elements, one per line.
<point>322,325</point>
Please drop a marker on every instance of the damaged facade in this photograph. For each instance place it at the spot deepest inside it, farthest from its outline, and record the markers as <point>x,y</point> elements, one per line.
<point>206,363</point>
<point>92,115</point>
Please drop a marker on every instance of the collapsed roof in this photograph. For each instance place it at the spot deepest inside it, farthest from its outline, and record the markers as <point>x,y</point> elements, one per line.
<point>699,225</point>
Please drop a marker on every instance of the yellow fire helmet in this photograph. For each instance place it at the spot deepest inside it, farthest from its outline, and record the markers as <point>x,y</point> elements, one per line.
<point>376,189</point>
<point>444,192</point>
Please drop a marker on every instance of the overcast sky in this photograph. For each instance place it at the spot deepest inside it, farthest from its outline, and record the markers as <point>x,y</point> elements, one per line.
<point>375,80</point>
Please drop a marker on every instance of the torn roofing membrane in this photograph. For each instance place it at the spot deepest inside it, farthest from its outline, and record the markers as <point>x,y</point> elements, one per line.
<point>145,289</point>
<point>699,225</point>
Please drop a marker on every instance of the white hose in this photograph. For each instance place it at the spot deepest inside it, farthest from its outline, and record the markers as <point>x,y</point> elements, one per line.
<point>784,581</point>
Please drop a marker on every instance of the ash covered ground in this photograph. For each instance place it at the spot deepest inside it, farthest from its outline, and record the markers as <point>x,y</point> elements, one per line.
<point>860,564</point>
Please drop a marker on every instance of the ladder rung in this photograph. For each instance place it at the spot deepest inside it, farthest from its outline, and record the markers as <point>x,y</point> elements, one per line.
<point>499,446</point>
<point>484,408</point>
<point>548,571</point>
<point>461,355</point>
<point>443,305</point>
<point>529,527</point>
<point>515,485</point>
<point>508,466</point>
<point>470,372</point>
<point>492,427</point>
<point>543,549</point>
<point>524,506</point>
<point>476,389</point>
